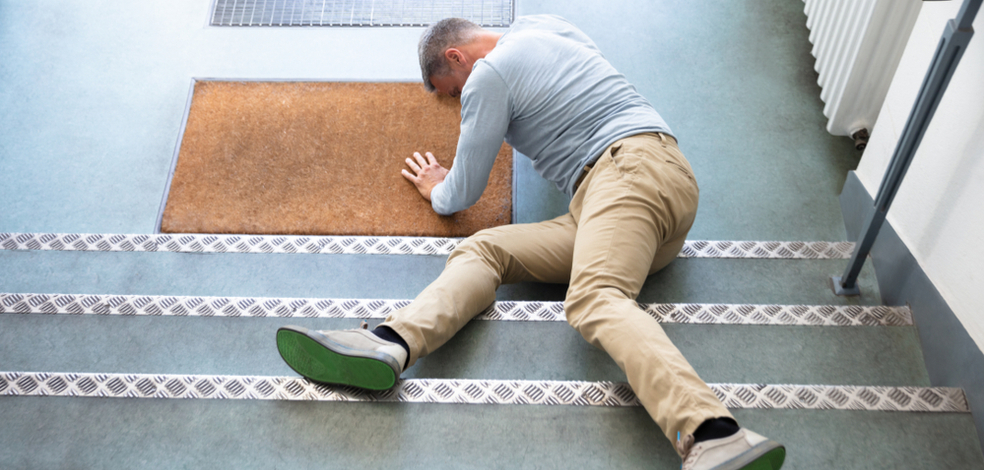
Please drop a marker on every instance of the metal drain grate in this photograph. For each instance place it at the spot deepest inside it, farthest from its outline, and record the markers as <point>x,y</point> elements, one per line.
<point>486,13</point>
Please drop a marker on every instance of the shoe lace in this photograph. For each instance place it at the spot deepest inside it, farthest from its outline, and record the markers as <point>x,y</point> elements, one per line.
<point>684,448</point>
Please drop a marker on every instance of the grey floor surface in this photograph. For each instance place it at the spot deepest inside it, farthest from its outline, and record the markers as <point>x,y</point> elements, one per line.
<point>93,92</point>
<point>93,432</point>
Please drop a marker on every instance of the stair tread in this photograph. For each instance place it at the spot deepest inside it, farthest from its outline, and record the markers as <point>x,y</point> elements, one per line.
<point>364,435</point>
<point>400,277</point>
<point>483,349</point>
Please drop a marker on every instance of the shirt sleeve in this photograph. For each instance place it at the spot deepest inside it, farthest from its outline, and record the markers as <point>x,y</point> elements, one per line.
<point>485,119</point>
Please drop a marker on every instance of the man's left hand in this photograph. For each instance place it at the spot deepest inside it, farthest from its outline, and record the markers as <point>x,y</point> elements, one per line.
<point>426,173</point>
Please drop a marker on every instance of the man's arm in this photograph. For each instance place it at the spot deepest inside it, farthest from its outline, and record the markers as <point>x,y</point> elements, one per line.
<point>485,119</point>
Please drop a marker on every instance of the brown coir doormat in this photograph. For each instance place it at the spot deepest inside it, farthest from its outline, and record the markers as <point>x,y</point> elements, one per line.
<point>316,158</point>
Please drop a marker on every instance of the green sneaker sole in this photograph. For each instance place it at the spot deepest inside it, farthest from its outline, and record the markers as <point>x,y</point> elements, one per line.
<point>322,361</point>
<point>771,460</point>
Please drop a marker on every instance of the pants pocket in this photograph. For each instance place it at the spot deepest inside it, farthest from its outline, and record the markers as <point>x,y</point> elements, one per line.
<point>625,160</point>
<point>687,171</point>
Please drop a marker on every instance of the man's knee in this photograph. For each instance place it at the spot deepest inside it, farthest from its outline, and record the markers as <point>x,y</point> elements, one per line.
<point>585,309</point>
<point>667,253</point>
<point>485,244</point>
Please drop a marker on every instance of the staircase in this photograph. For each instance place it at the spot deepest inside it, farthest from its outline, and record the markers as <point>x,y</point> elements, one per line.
<point>124,348</point>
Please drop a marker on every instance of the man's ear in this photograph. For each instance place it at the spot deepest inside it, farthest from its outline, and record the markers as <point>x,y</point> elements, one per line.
<point>455,57</point>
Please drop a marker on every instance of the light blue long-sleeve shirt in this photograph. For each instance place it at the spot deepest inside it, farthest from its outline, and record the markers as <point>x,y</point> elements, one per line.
<point>546,90</point>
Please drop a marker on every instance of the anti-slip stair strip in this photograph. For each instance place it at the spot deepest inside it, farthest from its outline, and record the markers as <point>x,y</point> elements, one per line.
<point>502,392</point>
<point>741,314</point>
<point>217,243</point>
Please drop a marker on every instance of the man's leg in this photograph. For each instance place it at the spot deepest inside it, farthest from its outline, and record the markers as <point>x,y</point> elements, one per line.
<point>633,211</point>
<point>539,252</point>
<point>374,359</point>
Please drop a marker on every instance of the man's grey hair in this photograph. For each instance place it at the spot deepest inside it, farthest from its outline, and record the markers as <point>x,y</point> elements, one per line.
<point>449,32</point>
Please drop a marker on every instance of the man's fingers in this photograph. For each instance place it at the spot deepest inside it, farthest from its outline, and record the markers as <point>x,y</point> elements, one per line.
<point>431,159</point>
<point>424,173</point>
<point>420,160</point>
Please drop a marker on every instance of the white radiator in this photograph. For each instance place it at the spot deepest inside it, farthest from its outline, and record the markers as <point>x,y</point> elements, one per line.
<point>857,46</point>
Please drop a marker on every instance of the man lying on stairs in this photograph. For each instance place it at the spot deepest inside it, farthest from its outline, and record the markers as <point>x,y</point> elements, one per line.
<point>545,88</point>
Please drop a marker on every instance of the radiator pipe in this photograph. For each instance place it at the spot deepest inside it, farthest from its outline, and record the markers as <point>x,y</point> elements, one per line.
<point>861,137</point>
<point>954,41</point>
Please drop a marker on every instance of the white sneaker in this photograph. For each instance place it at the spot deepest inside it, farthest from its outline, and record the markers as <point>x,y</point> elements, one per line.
<point>743,450</point>
<point>349,357</point>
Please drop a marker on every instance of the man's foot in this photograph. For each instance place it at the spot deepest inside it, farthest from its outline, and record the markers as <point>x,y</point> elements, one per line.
<point>744,450</point>
<point>348,357</point>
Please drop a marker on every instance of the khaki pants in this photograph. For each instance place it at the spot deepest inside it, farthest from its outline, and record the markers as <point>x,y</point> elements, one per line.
<point>628,218</point>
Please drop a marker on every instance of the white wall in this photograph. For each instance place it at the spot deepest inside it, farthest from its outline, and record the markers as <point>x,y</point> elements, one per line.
<point>939,212</point>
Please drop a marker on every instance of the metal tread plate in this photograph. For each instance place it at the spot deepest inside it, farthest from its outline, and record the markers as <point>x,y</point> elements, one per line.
<point>485,13</point>
<point>499,392</point>
<point>361,245</point>
<point>730,314</point>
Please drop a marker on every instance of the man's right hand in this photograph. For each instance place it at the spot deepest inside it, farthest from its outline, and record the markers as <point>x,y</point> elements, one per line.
<point>426,173</point>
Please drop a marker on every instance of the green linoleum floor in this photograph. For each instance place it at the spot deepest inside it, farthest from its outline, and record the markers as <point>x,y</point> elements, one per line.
<point>736,83</point>
<point>93,93</point>
<point>686,280</point>
<point>58,433</point>
<point>882,356</point>
<point>94,112</point>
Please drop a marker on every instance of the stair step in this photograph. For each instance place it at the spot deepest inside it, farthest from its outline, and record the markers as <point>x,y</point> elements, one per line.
<point>95,433</point>
<point>858,355</point>
<point>690,280</point>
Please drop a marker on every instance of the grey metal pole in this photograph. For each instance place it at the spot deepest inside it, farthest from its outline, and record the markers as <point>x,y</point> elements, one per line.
<point>954,41</point>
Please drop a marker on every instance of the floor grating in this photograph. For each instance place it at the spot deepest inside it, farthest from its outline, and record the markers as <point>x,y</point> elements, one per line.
<point>486,13</point>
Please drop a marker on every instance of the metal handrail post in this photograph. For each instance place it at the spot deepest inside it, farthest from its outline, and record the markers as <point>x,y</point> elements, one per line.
<point>957,35</point>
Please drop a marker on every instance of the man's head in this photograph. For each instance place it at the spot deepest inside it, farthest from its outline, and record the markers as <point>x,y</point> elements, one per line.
<point>438,46</point>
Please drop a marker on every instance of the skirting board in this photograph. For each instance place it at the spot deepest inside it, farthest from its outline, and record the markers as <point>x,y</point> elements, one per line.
<point>951,355</point>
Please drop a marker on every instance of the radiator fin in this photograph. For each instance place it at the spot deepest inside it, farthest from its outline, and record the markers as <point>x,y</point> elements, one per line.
<point>857,45</point>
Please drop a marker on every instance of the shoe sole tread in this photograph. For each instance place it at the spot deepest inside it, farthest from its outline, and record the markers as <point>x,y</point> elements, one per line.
<point>768,455</point>
<point>326,362</point>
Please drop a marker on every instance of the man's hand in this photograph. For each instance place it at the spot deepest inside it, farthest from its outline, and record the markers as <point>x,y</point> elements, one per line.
<point>426,173</point>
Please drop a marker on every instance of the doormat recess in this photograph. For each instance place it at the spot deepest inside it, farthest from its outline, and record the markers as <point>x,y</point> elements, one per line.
<point>320,158</point>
